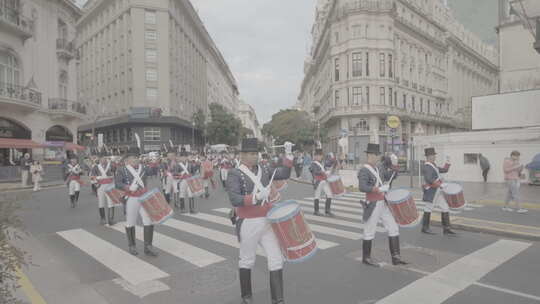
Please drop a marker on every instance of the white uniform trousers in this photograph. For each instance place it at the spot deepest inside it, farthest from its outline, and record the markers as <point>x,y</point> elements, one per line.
<point>381,212</point>
<point>224,173</point>
<point>438,201</point>
<point>185,191</point>
<point>255,232</point>
<point>323,186</point>
<point>171,184</point>
<point>133,209</point>
<point>103,197</point>
<point>74,187</point>
<point>206,182</point>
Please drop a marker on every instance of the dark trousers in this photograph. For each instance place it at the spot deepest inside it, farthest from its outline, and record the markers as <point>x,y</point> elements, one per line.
<point>485,174</point>
<point>298,170</point>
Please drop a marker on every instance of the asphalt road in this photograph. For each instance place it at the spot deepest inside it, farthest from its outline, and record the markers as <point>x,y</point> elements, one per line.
<point>77,259</point>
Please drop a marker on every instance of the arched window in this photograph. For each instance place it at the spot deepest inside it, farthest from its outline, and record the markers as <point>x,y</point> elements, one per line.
<point>10,73</point>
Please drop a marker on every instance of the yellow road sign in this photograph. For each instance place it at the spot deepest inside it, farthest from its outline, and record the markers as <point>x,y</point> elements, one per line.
<point>393,122</point>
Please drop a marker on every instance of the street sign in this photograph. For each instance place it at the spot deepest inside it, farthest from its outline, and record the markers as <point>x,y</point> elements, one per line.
<point>393,122</point>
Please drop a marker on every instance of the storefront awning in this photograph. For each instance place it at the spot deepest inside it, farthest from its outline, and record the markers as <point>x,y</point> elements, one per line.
<point>17,143</point>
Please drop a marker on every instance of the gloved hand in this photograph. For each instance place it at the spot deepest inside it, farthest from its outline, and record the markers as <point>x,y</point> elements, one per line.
<point>262,194</point>
<point>443,185</point>
<point>288,147</point>
<point>384,188</point>
<point>133,188</point>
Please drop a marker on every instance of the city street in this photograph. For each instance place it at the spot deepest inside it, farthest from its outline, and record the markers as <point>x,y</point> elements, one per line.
<point>74,258</point>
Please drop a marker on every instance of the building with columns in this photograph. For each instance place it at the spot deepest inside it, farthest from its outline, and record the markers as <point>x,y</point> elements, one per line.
<point>38,87</point>
<point>146,67</point>
<point>410,58</point>
<point>249,119</point>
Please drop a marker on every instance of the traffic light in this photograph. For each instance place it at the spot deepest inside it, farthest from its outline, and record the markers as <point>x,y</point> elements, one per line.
<point>537,42</point>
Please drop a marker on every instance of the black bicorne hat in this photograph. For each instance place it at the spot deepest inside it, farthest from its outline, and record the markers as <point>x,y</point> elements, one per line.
<point>250,145</point>
<point>430,151</point>
<point>373,149</point>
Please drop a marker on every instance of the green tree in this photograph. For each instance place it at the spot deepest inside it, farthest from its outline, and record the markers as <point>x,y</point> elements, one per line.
<point>291,125</point>
<point>11,258</point>
<point>224,127</point>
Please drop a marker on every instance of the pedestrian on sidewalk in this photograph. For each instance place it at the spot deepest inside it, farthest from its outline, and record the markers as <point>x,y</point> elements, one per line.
<point>485,166</point>
<point>298,162</point>
<point>26,162</point>
<point>512,175</point>
<point>37,172</point>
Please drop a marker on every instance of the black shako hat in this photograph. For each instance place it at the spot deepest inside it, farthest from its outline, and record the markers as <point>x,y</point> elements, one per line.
<point>430,151</point>
<point>373,149</point>
<point>250,145</point>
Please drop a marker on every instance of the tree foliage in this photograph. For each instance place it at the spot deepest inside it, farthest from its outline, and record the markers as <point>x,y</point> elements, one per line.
<point>200,121</point>
<point>291,125</point>
<point>224,127</point>
<point>11,258</point>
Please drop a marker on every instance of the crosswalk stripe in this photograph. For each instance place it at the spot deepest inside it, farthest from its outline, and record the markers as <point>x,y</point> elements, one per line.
<point>336,205</point>
<point>214,235</point>
<point>418,201</point>
<point>322,244</point>
<point>441,285</point>
<point>127,266</point>
<point>192,254</point>
<point>323,219</point>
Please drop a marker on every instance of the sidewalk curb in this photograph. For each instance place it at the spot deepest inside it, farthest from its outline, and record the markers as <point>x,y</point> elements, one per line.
<point>488,202</point>
<point>29,188</point>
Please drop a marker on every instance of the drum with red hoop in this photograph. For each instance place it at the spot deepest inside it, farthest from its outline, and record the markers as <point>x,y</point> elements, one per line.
<point>336,185</point>
<point>401,204</point>
<point>155,204</point>
<point>195,185</point>
<point>117,196</point>
<point>279,184</point>
<point>453,193</point>
<point>296,240</point>
<point>207,169</point>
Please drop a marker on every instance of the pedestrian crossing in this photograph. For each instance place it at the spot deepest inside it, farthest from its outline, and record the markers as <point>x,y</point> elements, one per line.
<point>205,239</point>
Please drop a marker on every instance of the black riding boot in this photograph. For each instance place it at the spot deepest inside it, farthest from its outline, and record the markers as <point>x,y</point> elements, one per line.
<point>192,205</point>
<point>445,218</point>
<point>394,251</point>
<point>183,205</point>
<point>366,254</point>
<point>316,208</point>
<point>245,286</point>
<point>77,196</point>
<point>206,192</point>
<point>276,286</point>
<point>130,233</point>
<point>148,238</point>
<point>72,201</point>
<point>102,216</point>
<point>168,198</point>
<point>111,216</point>
<point>425,223</point>
<point>327,206</point>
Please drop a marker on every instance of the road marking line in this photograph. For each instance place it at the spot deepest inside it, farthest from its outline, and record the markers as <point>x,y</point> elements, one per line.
<point>359,206</point>
<point>144,289</point>
<point>439,286</point>
<point>127,266</point>
<point>418,201</point>
<point>334,207</point>
<point>192,254</point>
<point>28,289</point>
<point>322,244</point>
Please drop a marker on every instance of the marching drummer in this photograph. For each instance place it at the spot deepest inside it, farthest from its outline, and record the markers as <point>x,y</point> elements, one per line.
<point>433,195</point>
<point>73,180</point>
<point>249,190</point>
<point>375,184</point>
<point>168,168</point>
<point>103,175</point>
<point>320,183</point>
<point>224,166</point>
<point>132,179</point>
<point>207,174</point>
<point>185,171</point>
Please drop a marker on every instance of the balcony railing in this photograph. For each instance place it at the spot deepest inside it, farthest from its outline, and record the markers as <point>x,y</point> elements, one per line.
<point>65,48</point>
<point>16,21</point>
<point>64,105</point>
<point>20,94</point>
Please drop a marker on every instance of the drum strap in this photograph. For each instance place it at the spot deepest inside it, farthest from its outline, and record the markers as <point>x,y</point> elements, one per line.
<point>319,164</point>
<point>136,175</point>
<point>184,168</point>
<point>375,172</point>
<point>436,169</point>
<point>104,171</point>
<point>255,179</point>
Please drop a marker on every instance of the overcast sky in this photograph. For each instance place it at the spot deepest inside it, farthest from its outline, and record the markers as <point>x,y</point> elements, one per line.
<point>264,42</point>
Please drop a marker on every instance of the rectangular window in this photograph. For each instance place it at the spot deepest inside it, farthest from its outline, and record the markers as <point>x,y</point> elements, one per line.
<point>336,98</point>
<point>390,66</point>
<point>356,64</point>
<point>152,134</point>
<point>382,125</point>
<point>367,96</point>
<point>470,158</point>
<point>150,35</point>
<point>150,17</point>
<point>390,95</point>
<point>151,75</point>
<point>336,69</point>
<point>429,107</point>
<point>363,125</point>
<point>404,101</point>
<point>413,101</point>
<point>151,94</point>
<point>357,95</point>
<point>367,63</point>
<point>395,98</point>
<point>382,94</point>
<point>421,105</point>
<point>151,55</point>
<point>382,65</point>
